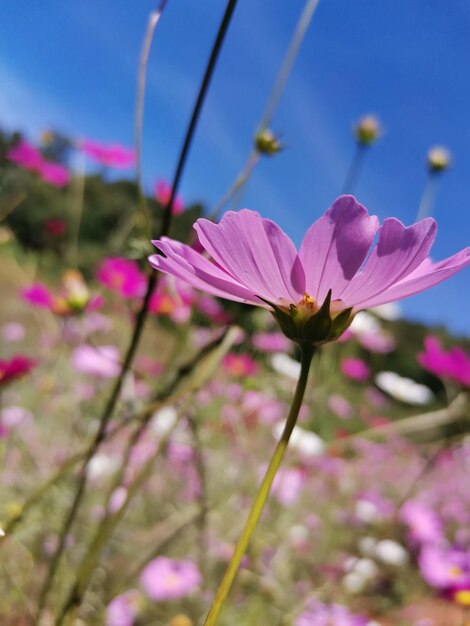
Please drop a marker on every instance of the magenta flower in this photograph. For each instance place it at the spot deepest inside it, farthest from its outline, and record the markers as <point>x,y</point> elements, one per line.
<point>453,364</point>
<point>28,157</point>
<point>254,261</point>
<point>355,369</point>
<point>122,276</point>
<point>54,173</point>
<point>319,614</point>
<point>163,193</point>
<point>109,155</point>
<point>73,297</point>
<point>169,579</point>
<point>14,368</point>
<point>25,155</point>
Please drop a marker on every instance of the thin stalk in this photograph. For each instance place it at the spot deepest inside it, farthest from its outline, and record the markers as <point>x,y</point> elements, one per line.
<point>153,20</point>
<point>271,103</point>
<point>428,197</point>
<point>142,314</point>
<point>201,471</point>
<point>77,201</point>
<point>355,169</point>
<point>263,491</point>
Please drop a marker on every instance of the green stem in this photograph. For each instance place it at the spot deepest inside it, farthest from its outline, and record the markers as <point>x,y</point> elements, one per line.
<point>355,169</point>
<point>427,198</point>
<point>263,491</point>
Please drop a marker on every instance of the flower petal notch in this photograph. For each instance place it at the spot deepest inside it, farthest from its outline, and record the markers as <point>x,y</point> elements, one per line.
<point>313,293</point>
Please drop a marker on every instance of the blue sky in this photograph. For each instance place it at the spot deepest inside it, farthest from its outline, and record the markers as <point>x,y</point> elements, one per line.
<point>72,66</point>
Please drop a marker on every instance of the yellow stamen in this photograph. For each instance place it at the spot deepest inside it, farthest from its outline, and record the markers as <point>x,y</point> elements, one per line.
<point>308,302</point>
<point>462,597</point>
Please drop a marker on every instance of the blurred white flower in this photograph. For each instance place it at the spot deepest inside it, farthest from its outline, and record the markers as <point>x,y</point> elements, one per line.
<point>389,312</point>
<point>391,552</point>
<point>367,545</point>
<point>103,465</point>
<point>364,323</point>
<point>283,364</point>
<point>361,572</point>
<point>304,441</point>
<point>164,420</point>
<point>366,511</point>
<point>403,389</point>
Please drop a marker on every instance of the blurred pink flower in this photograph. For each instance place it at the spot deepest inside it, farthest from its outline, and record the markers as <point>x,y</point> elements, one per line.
<point>109,155</point>
<point>355,369</point>
<point>173,298</point>
<point>25,155</point>
<point>240,365</point>
<point>271,342</point>
<point>15,367</point>
<point>170,579</point>
<point>423,524</point>
<point>288,485</point>
<point>99,361</point>
<point>122,276</point>
<point>54,173</point>
<point>453,364</point>
<point>123,609</point>
<point>13,332</point>
<point>28,157</point>
<point>254,261</point>
<point>73,297</point>
<point>447,569</point>
<point>318,614</point>
<point>162,195</point>
<point>340,406</point>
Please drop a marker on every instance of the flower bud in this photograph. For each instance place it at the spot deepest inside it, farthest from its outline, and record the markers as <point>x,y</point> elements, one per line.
<point>181,620</point>
<point>438,159</point>
<point>367,130</point>
<point>267,143</point>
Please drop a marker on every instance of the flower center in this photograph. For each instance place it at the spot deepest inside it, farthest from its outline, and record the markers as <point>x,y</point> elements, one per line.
<point>308,302</point>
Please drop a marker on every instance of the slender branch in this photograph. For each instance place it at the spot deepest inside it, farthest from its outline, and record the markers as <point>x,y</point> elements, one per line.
<point>263,491</point>
<point>142,314</point>
<point>201,471</point>
<point>271,103</point>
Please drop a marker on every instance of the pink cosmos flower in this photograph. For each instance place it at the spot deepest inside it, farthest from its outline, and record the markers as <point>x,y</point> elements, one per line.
<point>25,155</point>
<point>423,524</point>
<point>446,569</point>
<point>355,369</point>
<point>254,261</point>
<point>28,157</point>
<point>163,193</point>
<point>122,610</point>
<point>240,365</point>
<point>122,276</point>
<point>318,614</point>
<point>54,173</point>
<point>453,364</point>
<point>100,362</point>
<point>109,155</point>
<point>271,342</point>
<point>169,579</point>
<point>14,368</point>
<point>74,296</point>
<point>173,298</point>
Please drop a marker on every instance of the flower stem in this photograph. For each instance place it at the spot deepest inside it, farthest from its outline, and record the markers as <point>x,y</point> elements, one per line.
<point>263,491</point>
<point>141,316</point>
<point>355,169</point>
<point>428,197</point>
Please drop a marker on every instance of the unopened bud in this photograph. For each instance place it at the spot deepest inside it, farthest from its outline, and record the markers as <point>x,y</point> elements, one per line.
<point>367,130</point>
<point>267,143</point>
<point>47,138</point>
<point>438,159</point>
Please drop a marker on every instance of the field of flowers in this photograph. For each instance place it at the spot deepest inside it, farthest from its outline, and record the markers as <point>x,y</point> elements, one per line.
<point>144,393</point>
